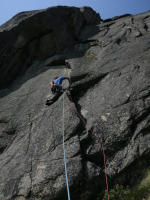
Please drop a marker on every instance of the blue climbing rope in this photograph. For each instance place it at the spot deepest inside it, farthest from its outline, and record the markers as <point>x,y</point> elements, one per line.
<point>64,152</point>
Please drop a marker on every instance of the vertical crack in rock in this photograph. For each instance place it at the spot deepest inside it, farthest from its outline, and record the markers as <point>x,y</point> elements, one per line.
<point>30,133</point>
<point>30,174</point>
<point>28,153</point>
<point>92,165</point>
<point>83,131</point>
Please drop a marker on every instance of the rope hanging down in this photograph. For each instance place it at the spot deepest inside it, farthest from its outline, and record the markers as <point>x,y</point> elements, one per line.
<point>97,138</point>
<point>64,152</point>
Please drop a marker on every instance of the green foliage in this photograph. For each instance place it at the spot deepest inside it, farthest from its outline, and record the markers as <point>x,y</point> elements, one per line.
<point>119,193</point>
<point>141,192</point>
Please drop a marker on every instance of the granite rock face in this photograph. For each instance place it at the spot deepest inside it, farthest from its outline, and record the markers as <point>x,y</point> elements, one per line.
<point>108,63</point>
<point>39,35</point>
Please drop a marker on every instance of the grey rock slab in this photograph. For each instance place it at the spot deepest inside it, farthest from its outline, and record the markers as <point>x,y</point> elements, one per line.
<point>114,104</point>
<point>32,137</point>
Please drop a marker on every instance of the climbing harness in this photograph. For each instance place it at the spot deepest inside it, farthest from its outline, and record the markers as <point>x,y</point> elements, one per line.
<point>97,138</point>
<point>64,151</point>
<point>56,88</point>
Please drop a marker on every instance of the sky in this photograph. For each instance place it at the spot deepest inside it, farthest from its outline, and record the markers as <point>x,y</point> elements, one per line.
<point>106,8</point>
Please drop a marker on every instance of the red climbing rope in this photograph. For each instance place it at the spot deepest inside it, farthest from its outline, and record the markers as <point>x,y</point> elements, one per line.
<point>97,138</point>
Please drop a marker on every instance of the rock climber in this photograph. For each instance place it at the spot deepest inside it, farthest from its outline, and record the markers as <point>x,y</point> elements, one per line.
<point>56,88</point>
